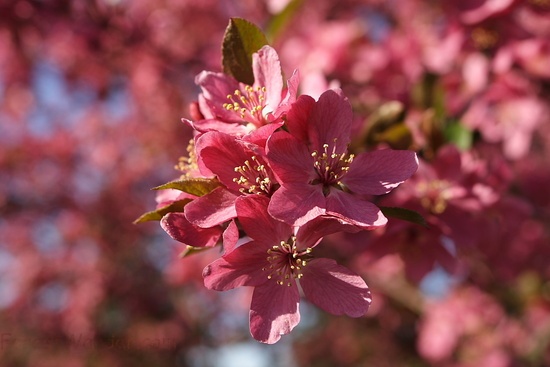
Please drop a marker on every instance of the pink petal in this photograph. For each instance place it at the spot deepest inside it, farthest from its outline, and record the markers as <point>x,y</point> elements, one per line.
<point>241,267</point>
<point>215,88</point>
<point>289,96</point>
<point>260,135</point>
<point>168,196</point>
<point>330,121</point>
<point>297,204</point>
<point>380,171</point>
<point>313,231</point>
<point>335,289</point>
<point>212,209</point>
<point>267,73</point>
<point>221,153</point>
<point>230,237</point>
<point>257,223</point>
<point>231,128</point>
<point>297,118</point>
<point>179,228</point>
<point>290,159</point>
<point>354,210</point>
<point>273,311</point>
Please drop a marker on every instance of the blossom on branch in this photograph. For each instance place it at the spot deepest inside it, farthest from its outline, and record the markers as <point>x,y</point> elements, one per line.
<point>275,261</point>
<point>317,173</point>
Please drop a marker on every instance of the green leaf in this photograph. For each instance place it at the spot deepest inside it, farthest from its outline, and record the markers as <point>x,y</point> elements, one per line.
<point>193,186</point>
<point>460,135</point>
<point>176,206</point>
<point>240,41</point>
<point>404,214</point>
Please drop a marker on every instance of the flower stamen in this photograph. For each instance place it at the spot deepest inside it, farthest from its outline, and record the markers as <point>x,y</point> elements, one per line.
<point>248,104</point>
<point>287,261</point>
<point>331,165</point>
<point>254,177</point>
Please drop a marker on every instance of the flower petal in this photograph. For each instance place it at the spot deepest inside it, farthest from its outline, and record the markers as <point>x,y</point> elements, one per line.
<point>231,128</point>
<point>297,117</point>
<point>267,73</point>
<point>221,153</point>
<point>289,96</point>
<point>257,223</point>
<point>230,237</point>
<point>274,311</point>
<point>290,159</point>
<point>330,121</point>
<point>335,288</point>
<point>215,89</point>
<point>241,267</point>
<point>297,204</point>
<point>354,210</point>
<point>212,209</point>
<point>380,171</point>
<point>179,228</point>
<point>260,135</point>
<point>310,233</point>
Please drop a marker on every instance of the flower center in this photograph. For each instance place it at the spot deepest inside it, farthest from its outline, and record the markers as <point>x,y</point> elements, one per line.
<point>286,262</point>
<point>254,177</point>
<point>330,165</point>
<point>248,104</point>
<point>188,165</point>
<point>484,38</point>
<point>434,195</point>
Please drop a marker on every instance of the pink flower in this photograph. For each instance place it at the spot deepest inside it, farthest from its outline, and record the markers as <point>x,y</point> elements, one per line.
<point>239,166</point>
<point>318,175</point>
<point>275,262</point>
<point>236,108</point>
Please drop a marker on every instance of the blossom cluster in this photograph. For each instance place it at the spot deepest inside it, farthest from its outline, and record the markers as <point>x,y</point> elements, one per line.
<point>282,176</point>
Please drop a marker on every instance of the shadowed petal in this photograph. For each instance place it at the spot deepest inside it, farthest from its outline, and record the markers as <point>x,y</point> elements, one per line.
<point>257,223</point>
<point>290,159</point>
<point>241,267</point>
<point>313,231</point>
<point>353,209</point>
<point>380,171</point>
<point>297,118</point>
<point>212,209</point>
<point>179,228</point>
<point>297,204</point>
<point>335,288</point>
<point>330,121</point>
<point>274,311</point>
<point>230,237</point>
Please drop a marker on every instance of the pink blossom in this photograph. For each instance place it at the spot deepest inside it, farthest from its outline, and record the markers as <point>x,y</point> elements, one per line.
<point>239,166</point>
<point>318,175</point>
<point>273,262</point>
<point>236,108</point>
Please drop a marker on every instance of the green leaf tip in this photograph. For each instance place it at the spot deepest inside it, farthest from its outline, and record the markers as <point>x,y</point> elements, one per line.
<point>404,214</point>
<point>176,206</point>
<point>241,39</point>
<point>193,186</point>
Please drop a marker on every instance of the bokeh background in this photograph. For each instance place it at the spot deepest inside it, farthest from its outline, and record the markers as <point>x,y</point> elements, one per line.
<point>91,97</point>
